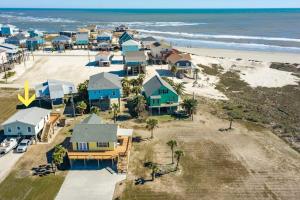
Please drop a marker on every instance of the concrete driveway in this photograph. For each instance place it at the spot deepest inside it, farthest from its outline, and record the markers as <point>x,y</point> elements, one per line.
<point>89,185</point>
<point>7,162</point>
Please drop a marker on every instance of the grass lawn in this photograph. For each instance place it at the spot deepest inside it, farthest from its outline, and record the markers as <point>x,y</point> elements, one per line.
<point>28,188</point>
<point>8,103</point>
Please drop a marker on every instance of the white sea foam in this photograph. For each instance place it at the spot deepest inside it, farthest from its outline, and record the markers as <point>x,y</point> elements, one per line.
<point>207,36</point>
<point>22,18</point>
<point>157,24</point>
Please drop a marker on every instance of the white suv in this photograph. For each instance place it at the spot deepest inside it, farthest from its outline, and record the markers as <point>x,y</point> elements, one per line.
<point>23,146</point>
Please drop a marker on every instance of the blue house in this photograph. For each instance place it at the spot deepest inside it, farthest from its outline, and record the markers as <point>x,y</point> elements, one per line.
<point>104,89</point>
<point>18,40</point>
<point>35,33</point>
<point>34,43</point>
<point>125,37</point>
<point>130,46</point>
<point>104,37</point>
<point>8,30</point>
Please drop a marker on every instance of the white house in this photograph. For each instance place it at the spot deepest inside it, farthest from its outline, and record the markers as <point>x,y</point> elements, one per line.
<point>103,58</point>
<point>158,49</point>
<point>27,122</point>
<point>3,57</point>
<point>82,37</point>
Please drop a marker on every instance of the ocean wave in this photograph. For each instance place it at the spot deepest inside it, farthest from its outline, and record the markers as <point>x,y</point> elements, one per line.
<point>156,24</point>
<point>227,45</point>
<point>22,18</point>
<point>207,36</point>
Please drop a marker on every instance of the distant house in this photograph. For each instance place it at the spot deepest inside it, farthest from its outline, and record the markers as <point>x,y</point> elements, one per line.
<point>2,40</point>
<point>103,58</point>
<point>12,51</point>
<point>104,89</point>
<point>182,61</point>
<point>54,91</point>
<point>62,42</point>
<point>121,28</point>
<point>104,46</point>
<point>27,122</point>
<point>35,33</point>
<point>125,37</point>
<point>104,37</point>
<point>8,30</point>
<point>160,96</point>
<point>130,46</point>
<point>34,43</point>
<point>147,42</point>
<point>82,37</point>
<point>117,60</point>
<point>3,59</point>
<point>69,34</point>
<point>93,140</point>
<point>159,51</point>
<point>19,40</point>
<point>135,62</point>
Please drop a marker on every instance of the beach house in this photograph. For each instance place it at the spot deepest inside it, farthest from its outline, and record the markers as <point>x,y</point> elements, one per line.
<point>182,62</point>
<point>34,43</point>
<point>35,33</point>
<point>62,42</point>
<point>125,37</point>
<point>160,96</point>
<point>13,52</point>
<point>104,37</point>
<point>27,122</point>
<point>54,91</point>
<point>3,60</point>
<point>159,51</point>
<point>69,34</point>
<point>130,46</point>
<point>18,39</point>
<point>104,89</point>
<point>93,141</point>
<point>8,30</point>
<point>103,58</point>
<point>135,62</point>
<point>82,37</point>
<point>147,42</point>
<point>121,28</point>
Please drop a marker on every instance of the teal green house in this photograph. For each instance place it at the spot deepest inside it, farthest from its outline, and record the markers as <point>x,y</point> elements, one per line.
<point>160,96</point>
<point>125,37</point>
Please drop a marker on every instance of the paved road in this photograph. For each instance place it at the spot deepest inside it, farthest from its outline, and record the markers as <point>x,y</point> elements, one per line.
<point>7,162</point>
<point>89,185</point>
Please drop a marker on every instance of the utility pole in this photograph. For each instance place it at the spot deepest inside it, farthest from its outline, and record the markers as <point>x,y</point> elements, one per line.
<point>89,56</point>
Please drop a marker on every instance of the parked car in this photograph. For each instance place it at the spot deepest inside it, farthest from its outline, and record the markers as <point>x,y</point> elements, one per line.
<point>7,145</point>
<point>23,146</point>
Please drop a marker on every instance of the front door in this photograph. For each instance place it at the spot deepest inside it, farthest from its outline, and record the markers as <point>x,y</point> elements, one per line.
<point>82,146</point>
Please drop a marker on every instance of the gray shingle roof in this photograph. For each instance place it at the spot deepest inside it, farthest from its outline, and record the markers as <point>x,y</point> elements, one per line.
<point>154,84</point>
<point>92,119</point>
<point>30,116</point>
<point>104,81</point>
<point>135,56</point>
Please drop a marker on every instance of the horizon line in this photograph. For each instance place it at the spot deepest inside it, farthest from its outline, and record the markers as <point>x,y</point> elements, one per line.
<point>157,8</point>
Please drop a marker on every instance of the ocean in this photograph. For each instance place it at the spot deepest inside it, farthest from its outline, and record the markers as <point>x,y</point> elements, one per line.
<point>246,29</point>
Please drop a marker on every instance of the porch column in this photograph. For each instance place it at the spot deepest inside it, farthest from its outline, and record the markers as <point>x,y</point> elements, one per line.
<point>158,110</point>
<point>71,163</point>
<point>98,163</point>
<point>84,162</point>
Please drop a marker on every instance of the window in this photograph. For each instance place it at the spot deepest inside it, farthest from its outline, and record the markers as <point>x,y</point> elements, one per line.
<point>155,101</point>
<point>113,93</point>
<point>18,128</point>
<point>9,129</point>
<point>82,146</point>
<point>70,89</point>
<point>102,144</point>
<point>29,129</point>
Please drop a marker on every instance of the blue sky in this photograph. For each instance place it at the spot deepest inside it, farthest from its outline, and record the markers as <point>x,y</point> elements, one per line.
<point>150,3</point>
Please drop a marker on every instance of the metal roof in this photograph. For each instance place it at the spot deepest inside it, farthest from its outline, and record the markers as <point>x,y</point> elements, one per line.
<point>154,84</point>
<point>131,43</point>
<point>104,81</point>
<point>135,56</point>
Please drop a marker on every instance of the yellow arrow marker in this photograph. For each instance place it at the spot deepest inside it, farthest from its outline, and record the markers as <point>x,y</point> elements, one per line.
<point>26,101</point>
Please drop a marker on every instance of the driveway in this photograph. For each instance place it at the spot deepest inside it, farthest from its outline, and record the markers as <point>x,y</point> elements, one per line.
<point>7,162</point>
<point>89,185</point>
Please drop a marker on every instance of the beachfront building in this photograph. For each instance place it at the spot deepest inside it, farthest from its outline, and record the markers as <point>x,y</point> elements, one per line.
<point>122,28</point>
<point>35,33</point>
<point>130,46</point>
<point>3,60</point>
<point>62,42</point>
<point>104,37</point>
<point>8,30</point>
<point>104,46</point>
<point>13,52</point>
<point>147,42</point>
<point>82,37</point>
<point>2,40</point>
<point>103,58</point>
<point>34,43</point>
<point>125,37</point>
<point>69,34</point>
<point>160,96</point>
<point>182,62</point>
<point>18,39</point>
<point>135,62</point>
<point>94,142</point>
<point>54,91</point>
<point>104,89</point>
<point>159,51</point>
<point>117,60</point>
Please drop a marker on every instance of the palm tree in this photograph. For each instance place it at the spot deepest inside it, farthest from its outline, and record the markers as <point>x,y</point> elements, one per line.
<point>155,170</point>
<point>172,144</point>
<point>136,90</point>
<point>196,74</point>
<point>81,107</point>
<point>151,125</point>
<point>126,86</point>
<point>178,155</point>
<point>115,108</point>
<point>125,82</point>
<point>140,105</point>
<point>174,70</point>
<point>134,82</point>
<point>95,110</point>
<point>82,90</point>
<point>190,106</point>
<point>179,88</point>
<point>141,79</point>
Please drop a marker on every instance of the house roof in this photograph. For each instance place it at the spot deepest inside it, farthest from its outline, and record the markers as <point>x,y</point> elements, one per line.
<point>104,81</point>
<point>105,34</point>
<point>30,116</point>
<point>61,38</point>
<point>126,34</point>
<point>17,37</point>
<point>92,119</point>
<point>135,56</point>
<point>57,89</point>
<point>34,39</point>
<point>84,132</point>
<point>175,57</point>
<point>131,43</point>
<point>154,84</point>
<point>148,39</point>
<point>9,46</point>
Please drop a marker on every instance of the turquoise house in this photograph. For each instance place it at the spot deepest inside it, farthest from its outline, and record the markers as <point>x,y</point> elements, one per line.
<point>34,43</point>
<point>130,46</point>
<point>125,37</point>
<point>104,89</point>
<point>8,30</point>
<point>35,33</point>
<point>160,96</point>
